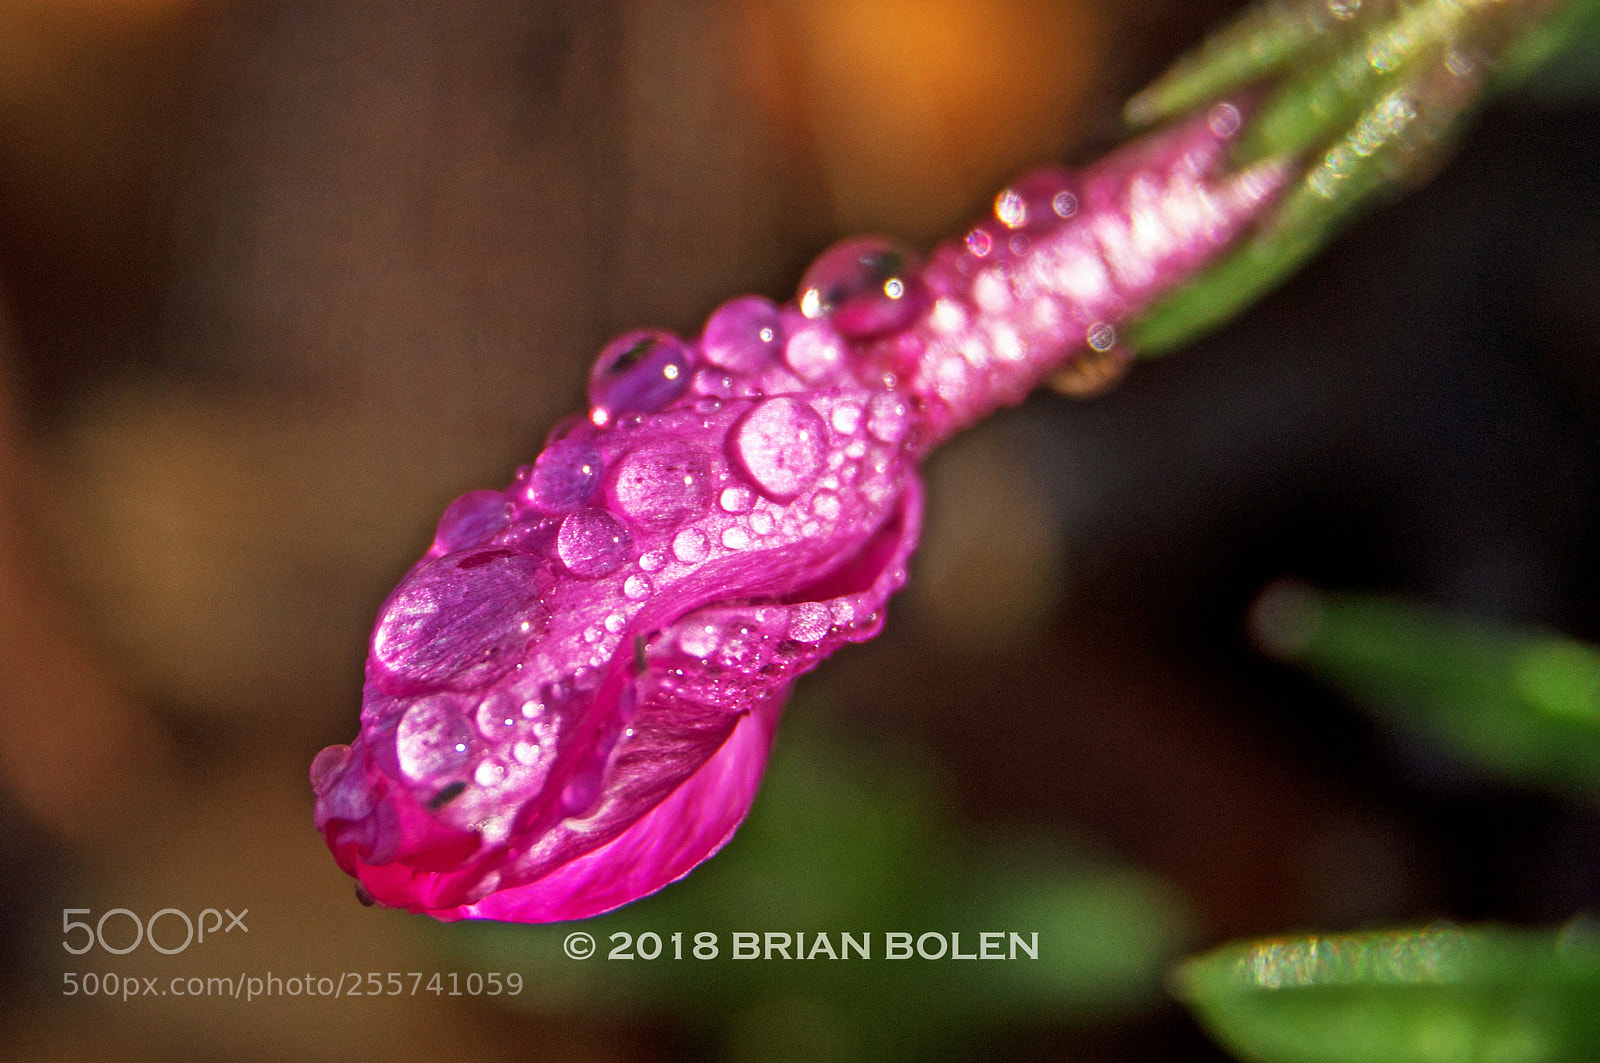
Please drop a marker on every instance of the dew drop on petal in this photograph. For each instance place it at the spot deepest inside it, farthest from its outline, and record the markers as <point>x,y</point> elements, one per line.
<point>699,639</point>
<point>1011,209</point>
<point>735,538</point>
<point>525,753</point>
<point>327,766</point>
<point>736,499</point>
<point>761,522</point>
<point>662,483</point>
<point>809,622</point>
<point>433,740</point>
<point>497,715</point>
<point>690,546</point>
<point>592,543</point>
<point>637,587</point>
<point>826,505</point>
<point>743,335</point>
<point>654,561</point>
<point>640,372</point>
<point>615,622</point>
<point>866,286</point>
<point>888,418</point>
<point>488,773</point>
<point>565,476</point>
<point>472,519</point>
<point>1065,204</point>
<point>846,418</point>
<point>781,446</point>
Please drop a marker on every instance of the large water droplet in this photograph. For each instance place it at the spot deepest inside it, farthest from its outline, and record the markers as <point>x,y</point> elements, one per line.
<point>472,519</point>
<point>743,334</point>
<point>809,622</point>
<point>866,285</point>
<point>781,445</point>
<point>640,371</point>
<point>497,716</point>
<point>433,740</point>
<point>592,543</point>
<point>565,476</point>
<point>637,586</point>
<point>461,621</point>
<point>662,483</point>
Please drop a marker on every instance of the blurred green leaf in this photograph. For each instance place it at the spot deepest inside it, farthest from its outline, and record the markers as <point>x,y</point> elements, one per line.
<point>839,842</point>
<point>1522,704</point>
<point>1436,995</point>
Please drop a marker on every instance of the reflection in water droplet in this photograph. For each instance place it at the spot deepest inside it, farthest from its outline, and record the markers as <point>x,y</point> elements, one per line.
<point>866,286</point>
<point>781,446</point>
<point>640,372</point>
<point>690,546</point>
<point>636,587</point>
<point>432,739</point>
<point>592,543</point>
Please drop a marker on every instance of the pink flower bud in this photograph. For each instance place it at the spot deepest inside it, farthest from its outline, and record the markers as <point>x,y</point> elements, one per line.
<point>569,701</point>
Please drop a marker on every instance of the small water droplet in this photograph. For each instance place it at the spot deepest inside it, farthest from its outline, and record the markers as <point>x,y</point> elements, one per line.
<point>809,622</point>
<point>531,709</point>
<point>846,418</point>
<point>736,499</point>
<point>826,506</point>
<point>781,446</point>
<point>488,773</point>
<point>888,418</point>
<point>699,639</point>
<point>593,543</point>
<point>526,753</point>
<point>591,634</point>
<point>1065,204</point>
<point>497,715</point>
<point>735,537</point>
<point>327,766</point>
<point>654,561</point>
<point>979,242</point>
<point>1011,209</point>
<point>761,522</point>
<point>690,546</point>
<point>743,334</point>
<point>866,286</point>
<point>432,739</point>
<point>615,622</point>
<point>640,372</point>
<point>637,586</point>
<point>1101,336</point>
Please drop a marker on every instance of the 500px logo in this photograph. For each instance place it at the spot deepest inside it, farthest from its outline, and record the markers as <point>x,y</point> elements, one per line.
<point>145,930</point>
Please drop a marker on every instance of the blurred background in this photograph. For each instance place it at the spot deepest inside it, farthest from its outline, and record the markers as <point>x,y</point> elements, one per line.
<point>278,281</point>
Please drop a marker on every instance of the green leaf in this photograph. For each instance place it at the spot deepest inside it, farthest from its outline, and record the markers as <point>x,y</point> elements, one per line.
<point>1435,995</point>
<point>1522,704</point>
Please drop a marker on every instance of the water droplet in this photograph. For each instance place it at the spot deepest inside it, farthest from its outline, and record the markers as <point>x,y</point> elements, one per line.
<point>735,538</point>
<point>497,715</point>
<point>592,543</point>
<point>979,242</point>
<point>565,476</point>
<point>531,710</point>
<point>814,353</point>
<point>781,446</point>
<point>761,522</point>
<point>327,766</point>
<point>846,418</point>
<point>826,506</point>
<point>843,611</point>
<point>888,418</point>
<point>690,546</point>
<point>525,753</point>
<point>809,622</point>
<point>866,286</point>
<point>1225,120</point>
<point>654,561</point>
<point>472,519</point>
<point>1065,204</point>
<point>662,483</point>
<point>580,794</point>
<point>615,622</point>
<point>591,634</point>
<point>699,639</point>
<point>737,499</point>
<point>433,740</point>
<point>637,586</point>
<point>1011,209</point>
<point>488,773</point>
<point>1101,336</point>
<point>743,335</point>
<point>638,371</point>
<point>459,622</point>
